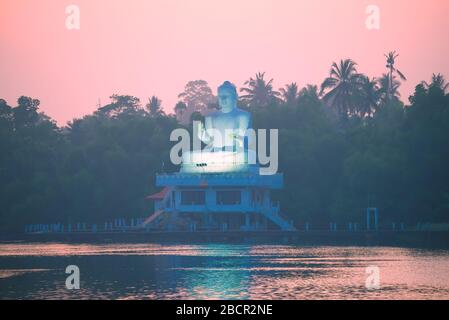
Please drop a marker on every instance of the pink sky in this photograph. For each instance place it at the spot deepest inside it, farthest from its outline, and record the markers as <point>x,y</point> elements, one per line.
<point>143,48</point>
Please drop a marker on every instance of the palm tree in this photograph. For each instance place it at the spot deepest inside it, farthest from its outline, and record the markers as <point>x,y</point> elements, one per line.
<point>342,85</point>
<point>438,81</point>
<point>309,94</point>
<point>259,92</point>
<point>290,93</point>
<point>391,59</point>
<point>154,106</point>
<point>310,90</point>
<point>369,97</point>
<point>388,89</point>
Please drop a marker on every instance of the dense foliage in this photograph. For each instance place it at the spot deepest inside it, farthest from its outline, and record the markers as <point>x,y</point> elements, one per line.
<point>369,150</point>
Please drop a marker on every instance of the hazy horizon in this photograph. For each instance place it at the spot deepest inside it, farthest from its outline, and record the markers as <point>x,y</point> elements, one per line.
<point>144,48</point>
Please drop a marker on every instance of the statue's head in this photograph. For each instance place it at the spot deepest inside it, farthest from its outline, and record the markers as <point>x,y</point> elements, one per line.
<point>227,96</point>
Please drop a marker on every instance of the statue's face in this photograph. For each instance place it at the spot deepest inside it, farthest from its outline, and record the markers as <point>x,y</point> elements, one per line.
<point>226,100</point>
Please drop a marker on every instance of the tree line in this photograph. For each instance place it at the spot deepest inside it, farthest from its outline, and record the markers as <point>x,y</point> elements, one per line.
<point>346,145</point>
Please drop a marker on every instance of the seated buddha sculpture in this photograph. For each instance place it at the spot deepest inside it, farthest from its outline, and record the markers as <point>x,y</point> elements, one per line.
<point>225,134</point>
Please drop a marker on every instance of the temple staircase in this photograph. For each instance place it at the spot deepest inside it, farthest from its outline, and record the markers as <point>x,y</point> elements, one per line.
<point>274,216</point>
<point>152,218</point>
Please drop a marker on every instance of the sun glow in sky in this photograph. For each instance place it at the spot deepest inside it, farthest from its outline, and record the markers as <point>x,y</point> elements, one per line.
<point>143,48</point>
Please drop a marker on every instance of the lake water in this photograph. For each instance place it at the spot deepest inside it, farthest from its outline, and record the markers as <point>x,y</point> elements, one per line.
<point>220,271</point>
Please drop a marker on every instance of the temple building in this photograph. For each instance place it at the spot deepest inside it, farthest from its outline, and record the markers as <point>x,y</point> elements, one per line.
<point>219,188</point>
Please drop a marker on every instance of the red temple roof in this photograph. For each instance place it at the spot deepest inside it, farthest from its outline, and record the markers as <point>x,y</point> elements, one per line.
<point>158,196</point>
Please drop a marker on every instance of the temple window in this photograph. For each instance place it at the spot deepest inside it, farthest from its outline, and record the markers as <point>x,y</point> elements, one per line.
<point>193,198</point>
<point>229,197</point>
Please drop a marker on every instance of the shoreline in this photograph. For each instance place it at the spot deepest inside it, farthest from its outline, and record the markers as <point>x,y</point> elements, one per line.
<point>425,239</point>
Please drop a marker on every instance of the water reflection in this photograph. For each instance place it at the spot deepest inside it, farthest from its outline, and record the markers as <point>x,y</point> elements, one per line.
<point>218,271</point>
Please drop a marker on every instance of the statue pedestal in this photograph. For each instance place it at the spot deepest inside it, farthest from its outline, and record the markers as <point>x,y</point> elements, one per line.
<point>222,201</point>
<point>218,162</point>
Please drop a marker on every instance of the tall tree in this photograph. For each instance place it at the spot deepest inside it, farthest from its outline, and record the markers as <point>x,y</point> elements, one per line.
<point>180,108</point>
<point>197,95</point>
<point>388,89</point>
<point>392,70</point>
<point>154,106</point>
<point>309,94</point>
<point>368,97</point>
<point>26,113</point>
<point>259,92</point>
<point>290,93</point>
<point>340,87</point>
<point>120,104</point>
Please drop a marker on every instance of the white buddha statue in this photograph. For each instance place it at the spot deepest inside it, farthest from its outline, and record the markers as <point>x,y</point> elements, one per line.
<point>224,133</point>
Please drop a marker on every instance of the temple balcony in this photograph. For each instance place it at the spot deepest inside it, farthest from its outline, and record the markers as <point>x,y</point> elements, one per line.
<point>275,181</point>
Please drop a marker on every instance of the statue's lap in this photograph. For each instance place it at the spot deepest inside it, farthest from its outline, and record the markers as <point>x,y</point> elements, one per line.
<point>214,162</point>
